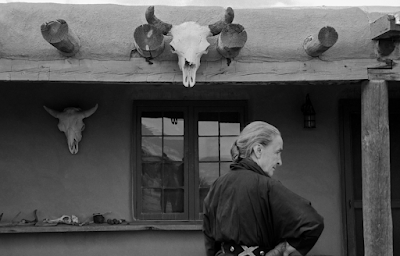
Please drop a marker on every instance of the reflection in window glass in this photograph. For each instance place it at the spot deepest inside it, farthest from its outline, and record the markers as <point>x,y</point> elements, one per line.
<point>173,148</point>
<point>230,129</point>
<point>225,148</point>
<point>151,148</point>
<point>208,123</point>
<point>207,128</point>
<point>208,149</point>
<point>173,123</point>
<point>151,175</point>
<point>173,200</point>
<point>151,123</point>
<point>208,173</point>
<point>151,200</point>
<point>173,175</point>
<point>230,123</point>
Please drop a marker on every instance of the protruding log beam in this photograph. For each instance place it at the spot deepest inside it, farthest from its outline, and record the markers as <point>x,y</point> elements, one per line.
<point>149,41</point>
<point>315,45</point>
<point>231,40</point>
<point>377,216</point>
<point>386,27</point>
<point>58,34</point>
<point>384,47</point>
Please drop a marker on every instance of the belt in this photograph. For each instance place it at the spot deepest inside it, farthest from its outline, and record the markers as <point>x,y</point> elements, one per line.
<point>242,250</point>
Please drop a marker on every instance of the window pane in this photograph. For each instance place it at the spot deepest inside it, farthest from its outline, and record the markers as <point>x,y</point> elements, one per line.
<point>208,149</point>
<point>173,148</point>
<point>173,123</point>
<point>224,168</point>
<point>151,200</point>
<point>173,200</point>
<point>225,148</point>
<point>208,123</point>
<point>173,175</point>
<point>202,195</point>
<point>230,123</point>
<point>208,173</point>
<point>151,123</point>
<point>151,148</point>
<point>151,175</point>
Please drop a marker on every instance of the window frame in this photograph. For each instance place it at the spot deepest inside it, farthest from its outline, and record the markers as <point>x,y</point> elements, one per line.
<point>190,109</point>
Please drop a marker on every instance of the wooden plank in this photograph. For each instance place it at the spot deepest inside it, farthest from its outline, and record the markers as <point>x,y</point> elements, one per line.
<point>138,70</point>
<point>99,227</point>
<point>385,27</point>
<point>377,215</point>
<point>388,74</point>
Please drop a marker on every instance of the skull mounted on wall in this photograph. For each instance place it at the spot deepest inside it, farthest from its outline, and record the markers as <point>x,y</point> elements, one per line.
<point>189,41</point>
<point>71,123</point>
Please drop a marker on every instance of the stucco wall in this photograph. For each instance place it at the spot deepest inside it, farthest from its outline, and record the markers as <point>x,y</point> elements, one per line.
<point>106,31</point>
<point>38,172</point>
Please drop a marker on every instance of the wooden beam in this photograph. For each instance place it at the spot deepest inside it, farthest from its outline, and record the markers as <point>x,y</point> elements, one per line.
<point>149,41</point>
<point>231,40</point>
<point>377,216</point>
<point>386,27</point>
<point>138,70</point>
<point>58,34</point>
<point>315,45</point>
<point>389,71</point>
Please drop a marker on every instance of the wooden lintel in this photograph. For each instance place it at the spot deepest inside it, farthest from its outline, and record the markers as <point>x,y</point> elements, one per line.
<point>386,27</point>
<point>315,45</point>
<point>377,217</point>
<point>388,72</point>
<point>58,34</point>
<point>138,70</point>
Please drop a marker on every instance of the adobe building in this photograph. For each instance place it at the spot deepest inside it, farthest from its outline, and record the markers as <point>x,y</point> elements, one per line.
<point>152,146</point>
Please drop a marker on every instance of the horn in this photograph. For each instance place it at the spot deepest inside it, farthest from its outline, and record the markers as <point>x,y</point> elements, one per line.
<point>54,113</point>
<point>217,27</point>
<point>153,20</point>
<point>89,112</point>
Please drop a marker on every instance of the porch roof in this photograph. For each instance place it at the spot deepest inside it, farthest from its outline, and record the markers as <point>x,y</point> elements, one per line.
<point>273,51</point>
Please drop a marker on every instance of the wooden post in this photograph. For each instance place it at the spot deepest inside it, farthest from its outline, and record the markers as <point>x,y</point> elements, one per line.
<point>315,45</point>
<point>377,216</point>
<point>61,37</point>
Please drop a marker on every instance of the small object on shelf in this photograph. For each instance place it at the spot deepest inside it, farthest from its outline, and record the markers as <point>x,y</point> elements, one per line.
<point>98,218</point>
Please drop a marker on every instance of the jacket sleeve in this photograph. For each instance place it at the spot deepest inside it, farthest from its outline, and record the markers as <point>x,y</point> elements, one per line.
<point>212,246</point>
<point>294,219</point>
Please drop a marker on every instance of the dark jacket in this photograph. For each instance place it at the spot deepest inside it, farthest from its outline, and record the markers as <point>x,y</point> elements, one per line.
<point>247,207</point>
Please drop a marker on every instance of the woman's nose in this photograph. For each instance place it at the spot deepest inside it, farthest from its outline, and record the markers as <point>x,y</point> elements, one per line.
<point>279,161</point>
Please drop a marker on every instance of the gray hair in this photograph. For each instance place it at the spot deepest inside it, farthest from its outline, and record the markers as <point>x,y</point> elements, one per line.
<point>257,132</point>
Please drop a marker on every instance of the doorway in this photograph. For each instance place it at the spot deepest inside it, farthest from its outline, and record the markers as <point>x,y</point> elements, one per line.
<point>350,128</point>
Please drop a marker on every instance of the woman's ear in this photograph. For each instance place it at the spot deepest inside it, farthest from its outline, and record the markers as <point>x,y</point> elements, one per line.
<point>257,150</point>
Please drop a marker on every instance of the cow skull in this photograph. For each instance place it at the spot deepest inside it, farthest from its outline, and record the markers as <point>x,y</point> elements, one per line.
<point>189,41</point>
<point>71,123</point>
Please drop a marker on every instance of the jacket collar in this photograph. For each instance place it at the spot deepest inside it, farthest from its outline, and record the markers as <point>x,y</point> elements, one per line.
<point>248,164</point>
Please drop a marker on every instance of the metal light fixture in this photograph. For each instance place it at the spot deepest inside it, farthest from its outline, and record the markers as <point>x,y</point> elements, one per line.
<point>309,113</point>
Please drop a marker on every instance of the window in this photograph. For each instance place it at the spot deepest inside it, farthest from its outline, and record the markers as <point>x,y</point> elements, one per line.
<point>181,148</point>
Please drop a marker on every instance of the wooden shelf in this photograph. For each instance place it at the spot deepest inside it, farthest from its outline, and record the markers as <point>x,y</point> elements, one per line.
<point>133,226</point>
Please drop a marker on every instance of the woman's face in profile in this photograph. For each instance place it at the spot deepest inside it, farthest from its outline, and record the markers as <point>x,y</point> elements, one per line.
<point>270,156</point>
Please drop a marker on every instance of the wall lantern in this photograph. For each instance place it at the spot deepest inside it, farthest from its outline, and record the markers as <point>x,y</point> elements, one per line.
<point>309,113</point>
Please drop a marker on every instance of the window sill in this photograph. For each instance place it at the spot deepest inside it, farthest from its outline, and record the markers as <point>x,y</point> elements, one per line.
<point>132,226</point>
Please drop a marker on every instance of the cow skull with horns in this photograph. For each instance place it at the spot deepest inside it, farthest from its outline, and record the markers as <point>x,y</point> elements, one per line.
<point>189,41</point>
<point>71,123</point>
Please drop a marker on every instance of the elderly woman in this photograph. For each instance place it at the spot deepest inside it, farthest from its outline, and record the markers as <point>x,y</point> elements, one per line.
<point>246,212</point>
